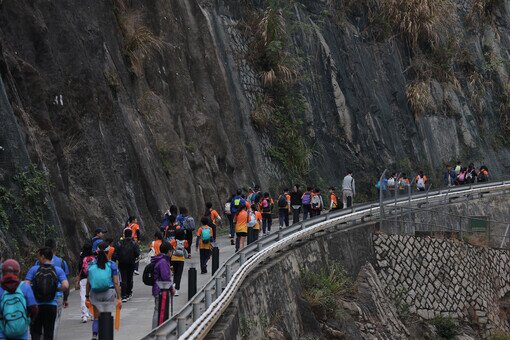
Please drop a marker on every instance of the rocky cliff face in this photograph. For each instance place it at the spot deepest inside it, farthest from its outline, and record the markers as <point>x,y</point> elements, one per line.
<point>130,106</point>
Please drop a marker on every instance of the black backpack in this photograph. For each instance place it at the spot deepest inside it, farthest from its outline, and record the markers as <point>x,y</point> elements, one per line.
<point>127,252</point>
<point>45,283</point>
<point>282,202</point>
<point>148,274</point>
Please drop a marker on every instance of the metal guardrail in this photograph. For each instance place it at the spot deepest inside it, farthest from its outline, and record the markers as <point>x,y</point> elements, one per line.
<point>200,314</point>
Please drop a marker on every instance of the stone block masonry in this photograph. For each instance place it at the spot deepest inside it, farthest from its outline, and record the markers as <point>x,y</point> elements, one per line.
<point>433,277</point>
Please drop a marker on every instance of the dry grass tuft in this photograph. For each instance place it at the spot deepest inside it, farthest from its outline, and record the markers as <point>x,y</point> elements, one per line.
<point>140,42</point>
<point>261,115</point>
<point>418,20</point>
<point>419,97</point>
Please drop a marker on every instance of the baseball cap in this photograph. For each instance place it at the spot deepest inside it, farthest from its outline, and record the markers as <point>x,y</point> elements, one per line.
<point>101,230</point>
<point>11,265</point>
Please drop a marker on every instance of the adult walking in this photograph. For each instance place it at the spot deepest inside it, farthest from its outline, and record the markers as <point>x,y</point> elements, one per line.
<point>162,273</point>
<point>295,202</point>
<point>348,190</point>
<point>126,252</point>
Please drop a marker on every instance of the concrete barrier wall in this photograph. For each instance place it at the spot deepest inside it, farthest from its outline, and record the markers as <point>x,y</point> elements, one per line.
<point>273,293</point>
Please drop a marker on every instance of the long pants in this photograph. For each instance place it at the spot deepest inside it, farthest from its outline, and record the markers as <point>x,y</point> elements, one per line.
<point>155,316</point>
<point>189,238</point>
<point>44,322</point>
<point>126,272</point>
<point>204,257</point>
<point>256,233</point>
<point>250,236</point>
<point>283,217</point>
<point>231,230</point>
<point>314,212</point>
<point>306,210</point>
<point>83,291</point>
<point>295,214</point>
<point>178,269</point>
<point>60,307</point>
<point>267,221</point>
<point>347,198</point>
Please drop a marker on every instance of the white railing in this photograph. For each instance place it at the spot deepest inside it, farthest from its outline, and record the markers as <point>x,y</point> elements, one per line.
<point>200,314</point>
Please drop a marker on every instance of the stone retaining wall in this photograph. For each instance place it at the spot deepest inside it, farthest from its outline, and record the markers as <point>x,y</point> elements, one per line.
<point>433,277</point>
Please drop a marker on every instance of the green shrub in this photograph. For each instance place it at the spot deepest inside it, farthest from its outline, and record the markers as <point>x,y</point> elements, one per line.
<point>323,288</point>
<point>446,327</point>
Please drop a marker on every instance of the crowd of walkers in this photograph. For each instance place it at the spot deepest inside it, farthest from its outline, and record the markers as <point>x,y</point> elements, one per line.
<point>107,266</point>
<point>399,183</point>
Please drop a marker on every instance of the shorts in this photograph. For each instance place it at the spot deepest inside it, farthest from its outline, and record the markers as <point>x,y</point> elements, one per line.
<point>242,234</point>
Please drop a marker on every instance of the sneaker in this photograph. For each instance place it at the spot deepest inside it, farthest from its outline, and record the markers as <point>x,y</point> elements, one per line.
<point>124,299</point>
<point>189,256</point>
<point>176,293</point>
<point>94,336</point>
<point>136,272</point>
<point>129,297</point>
<point>232,242</point>
<point>84,319</point>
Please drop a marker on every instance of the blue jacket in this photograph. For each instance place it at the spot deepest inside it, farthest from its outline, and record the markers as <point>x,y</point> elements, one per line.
<point>233,208</point>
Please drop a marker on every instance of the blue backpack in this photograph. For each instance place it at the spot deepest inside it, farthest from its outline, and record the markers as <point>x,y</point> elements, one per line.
<point>14,321</point>
<point>206,235</point>
<point>100,280</point>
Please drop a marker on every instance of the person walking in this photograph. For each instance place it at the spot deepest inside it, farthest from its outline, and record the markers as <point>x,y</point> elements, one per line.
<point>284,208</point>
<point>267,205</point>
<point>421,181</point>
<point>162,273</point>
<point>46,280</point>
<point>99,234</point>
<point>228,214</point>
<point>16,298</point>
<point>126,253</point>
<point>86,257</point>
<point>295,202</point>
<point>179,254</point>
<point>102,285</point>
<point>158,239</point>
<point>214,217</point>
<point>348,190</point>
<point>333,199</point>
<point>306,201</point>
<point>317,203</point>
<point>136,236</point>
<point>188,224</point>
<point>241,227</point>
<point>205,235</point>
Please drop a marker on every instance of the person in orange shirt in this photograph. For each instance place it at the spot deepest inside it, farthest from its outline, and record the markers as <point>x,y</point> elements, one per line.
<point>111,248</point>
<point>256,228</point>
<point>213,216</point>
<point>135,231</point>
<point>241,228</point>
<point>333,199</point>
<point>158,239</point>
<point>179,255</point>
<point>205,236</point>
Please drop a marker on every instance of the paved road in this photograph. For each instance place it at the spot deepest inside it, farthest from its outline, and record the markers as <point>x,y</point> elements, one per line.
<point>136,315</point>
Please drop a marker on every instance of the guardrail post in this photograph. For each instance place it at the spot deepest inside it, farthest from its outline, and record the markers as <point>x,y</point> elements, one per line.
<point>196,310</point>
<point>279,235</point>
<point>192,282</point>
<point>208,298</point>
<point>219,288</point>
<point>242,258</point>
<point>259,246</point>
<point>228,272</point>
<point>181,325</point>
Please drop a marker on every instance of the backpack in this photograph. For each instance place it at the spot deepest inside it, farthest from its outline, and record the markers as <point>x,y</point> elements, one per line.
<point>306,198</point>
<point>179,248</point>
<point>335,204</point>
<point>14,321</point>
<point>255,198</point>
<point>391,182</point>
<point>127,251</point>
<point>206,235</point>
<point>420,183</point>
<point>252,219</point>
<point>461,176</point>
<point>227,208</point>
<point>316,202</point>
<point>282,202</point>
<point>100,280</point>
<point>85,264</point>
<point>188,223</point>
<point>148,274</point>
<point>45,283</point>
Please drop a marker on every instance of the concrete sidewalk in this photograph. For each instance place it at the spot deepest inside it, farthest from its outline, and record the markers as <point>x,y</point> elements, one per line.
<point>136,314</point>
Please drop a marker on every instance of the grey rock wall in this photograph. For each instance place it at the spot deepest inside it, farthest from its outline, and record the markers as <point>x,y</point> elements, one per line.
<point>434,277</point>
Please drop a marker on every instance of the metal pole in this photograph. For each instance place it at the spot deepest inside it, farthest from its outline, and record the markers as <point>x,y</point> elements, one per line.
<point>192,282</point>
<point>196,311</point>
<point>228,272</point>
<point>242,258</point>
<point>503,241</point>
<point>208,298</point>
<point>105,326</point>
<point>215,259</point>
<point>395,210</point>
<point>219,289</point>
<point>181,325</point>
